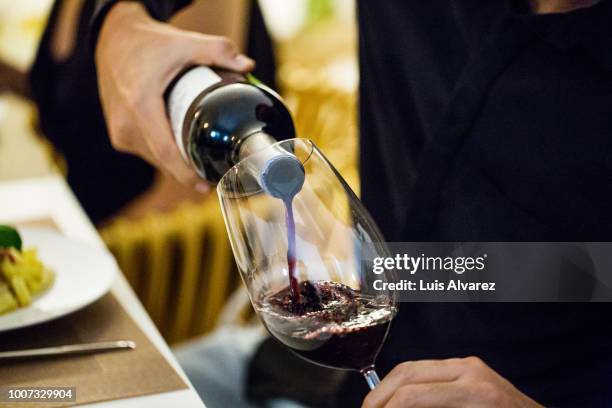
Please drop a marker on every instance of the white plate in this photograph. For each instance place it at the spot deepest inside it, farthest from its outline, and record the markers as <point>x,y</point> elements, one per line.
<point>82,276</point>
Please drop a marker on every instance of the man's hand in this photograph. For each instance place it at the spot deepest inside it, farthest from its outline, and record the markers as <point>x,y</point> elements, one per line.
<point>466,382</point>
<point>136,58</point>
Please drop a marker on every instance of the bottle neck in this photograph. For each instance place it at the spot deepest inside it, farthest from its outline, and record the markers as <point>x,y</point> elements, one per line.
<point>251,144</point>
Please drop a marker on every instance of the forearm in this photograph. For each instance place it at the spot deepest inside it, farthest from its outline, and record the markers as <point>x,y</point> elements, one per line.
<point>159,9</point>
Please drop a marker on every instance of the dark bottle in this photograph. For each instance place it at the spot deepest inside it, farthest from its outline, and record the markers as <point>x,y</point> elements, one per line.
<point>219,117</point>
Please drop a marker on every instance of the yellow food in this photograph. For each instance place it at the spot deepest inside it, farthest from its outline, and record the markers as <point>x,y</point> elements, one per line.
<point>22,276</point>
<point>7,300</point>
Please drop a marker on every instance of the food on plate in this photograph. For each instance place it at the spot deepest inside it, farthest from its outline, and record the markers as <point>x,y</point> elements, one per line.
<point>9,238</point>
<point>22,274</point>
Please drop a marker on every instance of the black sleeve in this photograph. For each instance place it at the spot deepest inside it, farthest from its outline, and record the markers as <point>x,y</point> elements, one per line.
<point>159,9</point>
<point>276,372</point>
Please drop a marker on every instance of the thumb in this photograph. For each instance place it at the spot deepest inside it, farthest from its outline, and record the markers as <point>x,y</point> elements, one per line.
<point>220,52</point>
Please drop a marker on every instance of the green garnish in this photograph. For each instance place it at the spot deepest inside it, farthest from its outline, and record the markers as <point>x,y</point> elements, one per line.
<point>9,238</point>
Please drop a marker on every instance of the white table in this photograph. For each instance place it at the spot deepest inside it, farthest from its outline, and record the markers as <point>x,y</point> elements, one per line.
<point>50,197</point>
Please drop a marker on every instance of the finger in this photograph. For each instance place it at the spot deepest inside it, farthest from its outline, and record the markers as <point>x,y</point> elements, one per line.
<point>414,372</point>
<point>203,187</point>
<point>438,395</point>
<point>220,52</point>
<point>161,144</point>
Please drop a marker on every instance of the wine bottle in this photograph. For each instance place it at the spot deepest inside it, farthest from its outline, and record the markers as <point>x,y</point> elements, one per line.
<point>219,117</point>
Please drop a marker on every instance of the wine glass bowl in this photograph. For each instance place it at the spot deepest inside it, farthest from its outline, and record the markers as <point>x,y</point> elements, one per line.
<point>324,314</point>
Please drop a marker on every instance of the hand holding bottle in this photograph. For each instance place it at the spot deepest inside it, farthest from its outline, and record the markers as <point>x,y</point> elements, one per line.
<point>136,58</point>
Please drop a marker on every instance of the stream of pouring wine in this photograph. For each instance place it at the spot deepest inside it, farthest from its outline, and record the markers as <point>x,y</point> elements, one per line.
<point>283,177</point>
<point>291,255</point>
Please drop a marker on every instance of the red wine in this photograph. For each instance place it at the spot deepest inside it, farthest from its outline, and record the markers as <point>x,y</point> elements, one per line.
<point>336,326</point>
<point>291,255</point>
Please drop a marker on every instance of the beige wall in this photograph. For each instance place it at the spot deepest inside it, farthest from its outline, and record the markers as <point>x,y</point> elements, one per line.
<point>21,153</point>
<point>219,17</point>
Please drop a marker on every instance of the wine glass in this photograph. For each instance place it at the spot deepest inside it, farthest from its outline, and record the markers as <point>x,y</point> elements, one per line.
<point>302,260</point>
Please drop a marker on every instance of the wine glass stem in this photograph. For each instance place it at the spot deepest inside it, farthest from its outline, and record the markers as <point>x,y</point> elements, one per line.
<point>371,377</point>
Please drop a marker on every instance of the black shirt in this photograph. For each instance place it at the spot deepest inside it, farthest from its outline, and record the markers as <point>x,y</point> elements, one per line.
<point>482,122</point>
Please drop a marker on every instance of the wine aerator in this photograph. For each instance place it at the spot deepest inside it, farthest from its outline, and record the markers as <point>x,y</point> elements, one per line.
<point>277,171</point>
<point>282,177</point>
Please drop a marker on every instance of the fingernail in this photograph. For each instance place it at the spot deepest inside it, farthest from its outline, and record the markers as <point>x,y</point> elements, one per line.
<point>244,61</point>
<point>202,188</point>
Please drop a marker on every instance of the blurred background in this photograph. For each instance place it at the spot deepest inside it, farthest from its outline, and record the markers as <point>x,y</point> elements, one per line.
<point>171,243</point>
